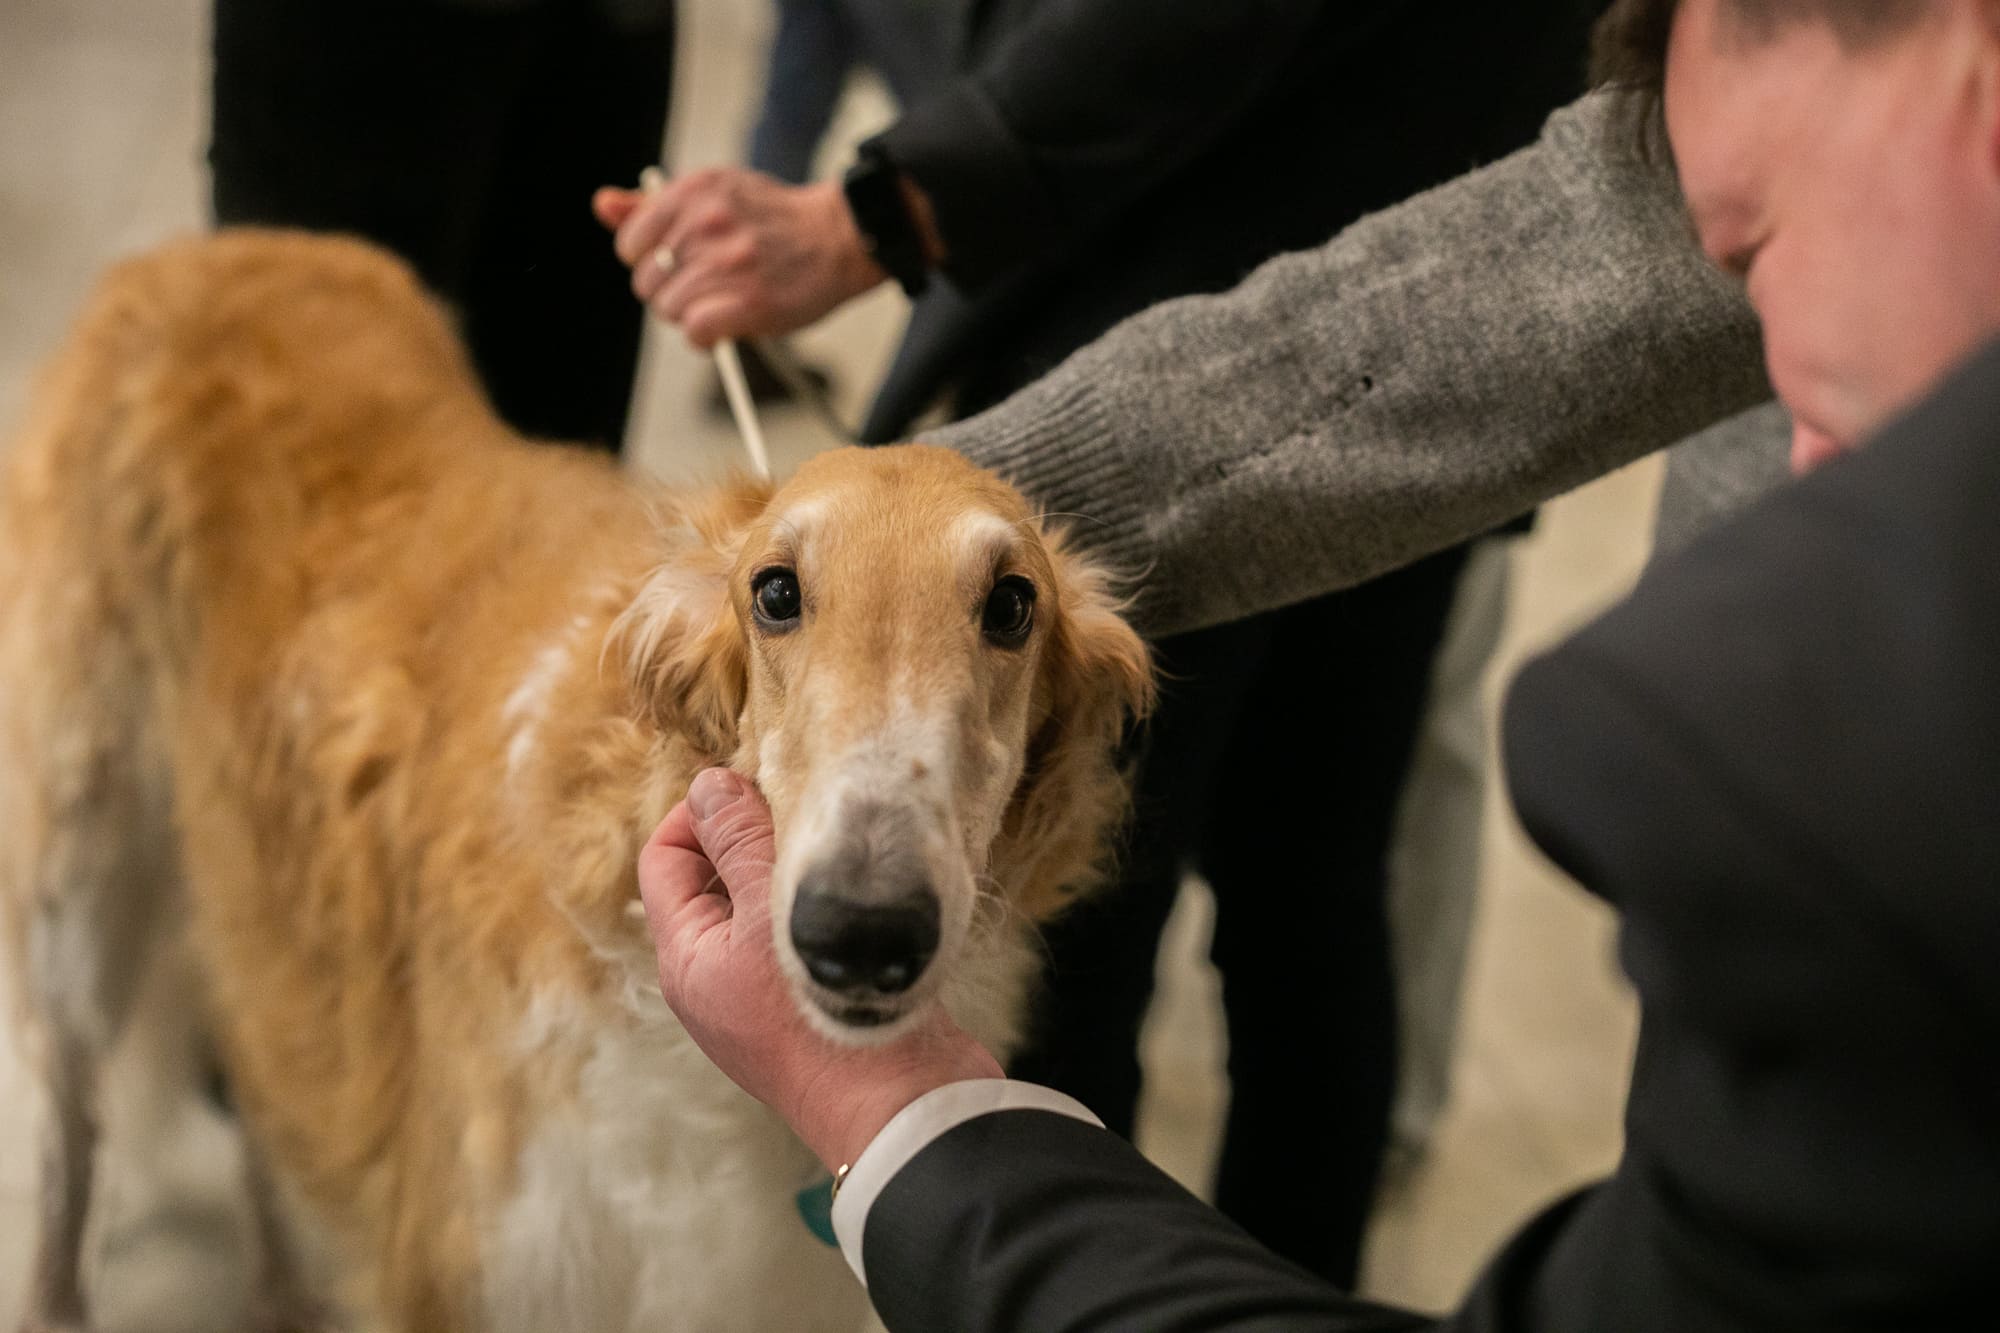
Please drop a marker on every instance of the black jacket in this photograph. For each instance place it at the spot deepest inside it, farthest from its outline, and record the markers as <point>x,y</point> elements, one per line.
<point>1100,156</point>
<point>1780,761</point>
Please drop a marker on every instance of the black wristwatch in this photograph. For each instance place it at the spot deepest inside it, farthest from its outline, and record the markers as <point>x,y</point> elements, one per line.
<point>875,198</point>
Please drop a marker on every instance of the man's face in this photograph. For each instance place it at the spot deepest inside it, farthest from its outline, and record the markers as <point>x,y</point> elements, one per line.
<point>1856,191</point>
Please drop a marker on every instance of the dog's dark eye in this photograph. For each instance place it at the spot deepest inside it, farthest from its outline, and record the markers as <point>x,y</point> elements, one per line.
<point>1010,611</point>
<point>775,594</point>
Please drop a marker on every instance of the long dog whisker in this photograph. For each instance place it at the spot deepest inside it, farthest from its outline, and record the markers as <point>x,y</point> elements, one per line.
<point>995,911</point>
<point>1046,515</point>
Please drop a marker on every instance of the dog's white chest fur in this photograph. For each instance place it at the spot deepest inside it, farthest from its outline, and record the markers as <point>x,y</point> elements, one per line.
<point>664,1198</point>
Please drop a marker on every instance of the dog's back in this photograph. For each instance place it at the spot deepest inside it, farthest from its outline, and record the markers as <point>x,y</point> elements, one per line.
<point>152,465</point>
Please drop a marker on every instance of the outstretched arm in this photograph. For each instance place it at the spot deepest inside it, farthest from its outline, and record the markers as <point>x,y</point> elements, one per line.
<point>1431,372</point>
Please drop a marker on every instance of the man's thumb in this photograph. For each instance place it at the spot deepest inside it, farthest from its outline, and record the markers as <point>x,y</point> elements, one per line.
<point>732,824</point>
<point>612,206</point>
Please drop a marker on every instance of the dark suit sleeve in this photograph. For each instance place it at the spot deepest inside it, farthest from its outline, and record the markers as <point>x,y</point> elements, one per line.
<point>1028,1220</point>
<point>1025,1220</point>
<point>1084,107</point>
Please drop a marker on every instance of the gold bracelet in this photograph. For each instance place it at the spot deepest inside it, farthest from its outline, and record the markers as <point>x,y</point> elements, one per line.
<point>839,1176</point>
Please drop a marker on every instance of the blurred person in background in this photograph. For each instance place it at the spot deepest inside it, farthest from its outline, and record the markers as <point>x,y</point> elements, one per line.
<point>815,47</point>
<point>461,134</point>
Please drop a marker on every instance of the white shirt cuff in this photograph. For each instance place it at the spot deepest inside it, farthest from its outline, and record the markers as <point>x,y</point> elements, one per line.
<point>915,1128</point>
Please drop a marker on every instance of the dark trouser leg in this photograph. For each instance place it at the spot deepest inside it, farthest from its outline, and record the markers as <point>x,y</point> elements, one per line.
<point>811,54</point>
<point>1295,849</point>
<point>468,142</point>
<point>549,308</point>
<point>1101,953</point>
<point>377,117</point>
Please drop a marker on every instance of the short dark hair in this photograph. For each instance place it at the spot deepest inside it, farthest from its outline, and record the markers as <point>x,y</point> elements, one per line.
<point>1628,49</point>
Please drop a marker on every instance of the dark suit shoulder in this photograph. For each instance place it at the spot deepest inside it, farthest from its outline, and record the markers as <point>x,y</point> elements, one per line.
<point>1826,669</point>
<point>1781,760</point>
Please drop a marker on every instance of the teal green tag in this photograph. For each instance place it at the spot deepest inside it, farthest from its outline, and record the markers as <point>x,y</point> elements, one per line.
<point>816,1209</point>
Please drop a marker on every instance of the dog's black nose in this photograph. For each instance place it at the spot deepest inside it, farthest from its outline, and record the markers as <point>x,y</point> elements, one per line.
<point>850,946</point>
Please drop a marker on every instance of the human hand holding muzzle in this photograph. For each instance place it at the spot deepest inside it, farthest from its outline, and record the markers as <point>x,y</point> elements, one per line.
<point>705,879</point>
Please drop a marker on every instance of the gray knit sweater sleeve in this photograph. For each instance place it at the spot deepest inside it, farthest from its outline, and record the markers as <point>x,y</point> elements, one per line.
<point>1432,371</point>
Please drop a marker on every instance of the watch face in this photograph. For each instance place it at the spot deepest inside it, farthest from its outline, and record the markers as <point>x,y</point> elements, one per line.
<point>875,198</point>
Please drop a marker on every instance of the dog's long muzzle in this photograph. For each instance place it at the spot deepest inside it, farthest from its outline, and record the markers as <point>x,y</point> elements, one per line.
<point>865,922</point>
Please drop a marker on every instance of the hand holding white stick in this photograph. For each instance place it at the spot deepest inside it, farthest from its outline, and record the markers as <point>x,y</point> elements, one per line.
<point>729,365</point>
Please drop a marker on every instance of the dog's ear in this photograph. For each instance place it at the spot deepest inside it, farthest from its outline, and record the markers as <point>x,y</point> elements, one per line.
<point>679,642</point>
<point>1096,679</point>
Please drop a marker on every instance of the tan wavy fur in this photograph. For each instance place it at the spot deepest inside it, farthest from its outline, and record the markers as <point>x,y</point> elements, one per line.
<point>307,659</point>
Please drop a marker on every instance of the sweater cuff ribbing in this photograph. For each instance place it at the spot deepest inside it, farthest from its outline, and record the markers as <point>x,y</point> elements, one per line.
<point>1060,447</point>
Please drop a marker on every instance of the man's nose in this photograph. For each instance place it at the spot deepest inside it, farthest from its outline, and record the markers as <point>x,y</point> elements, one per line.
<point>1812,448</point>
<point>879,946</point>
